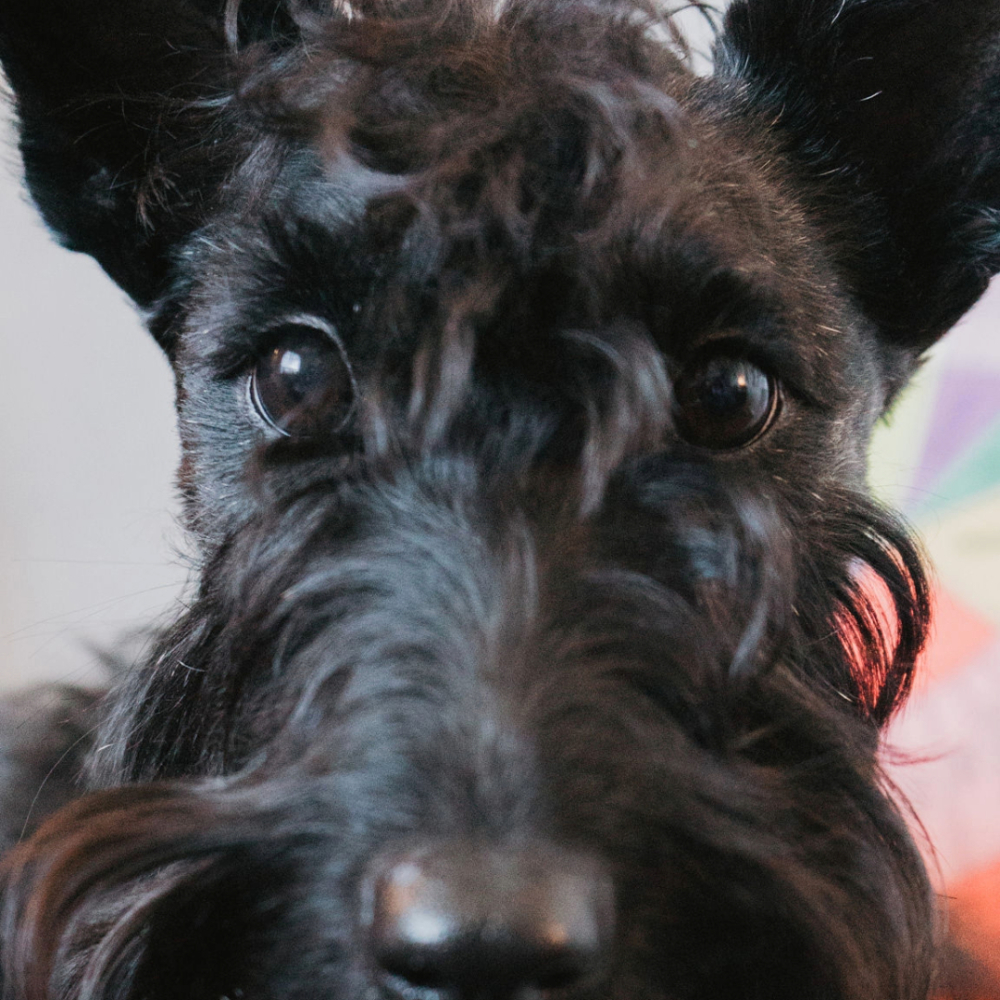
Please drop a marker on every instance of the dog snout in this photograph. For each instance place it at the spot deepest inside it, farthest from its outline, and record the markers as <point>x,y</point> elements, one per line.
<point>476,920</point>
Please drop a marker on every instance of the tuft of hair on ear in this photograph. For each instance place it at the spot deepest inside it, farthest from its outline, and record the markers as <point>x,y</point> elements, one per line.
<point>889,111</point>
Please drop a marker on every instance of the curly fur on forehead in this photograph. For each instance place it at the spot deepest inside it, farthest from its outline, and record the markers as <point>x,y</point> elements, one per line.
<point>551,98</point>
<point>450,63</point>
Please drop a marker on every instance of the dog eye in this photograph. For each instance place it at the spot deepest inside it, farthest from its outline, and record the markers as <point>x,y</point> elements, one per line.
<point>303,386</point>
<point>724,402</point>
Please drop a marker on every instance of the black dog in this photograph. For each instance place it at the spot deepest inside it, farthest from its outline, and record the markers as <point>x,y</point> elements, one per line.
<point>546,631</point>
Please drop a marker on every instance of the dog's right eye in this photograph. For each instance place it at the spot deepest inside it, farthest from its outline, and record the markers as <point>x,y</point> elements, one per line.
<point>303,385</point>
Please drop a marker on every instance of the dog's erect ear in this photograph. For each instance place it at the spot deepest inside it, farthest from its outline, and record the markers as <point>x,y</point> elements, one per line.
<point>892,108</point>
<point>122,106</point>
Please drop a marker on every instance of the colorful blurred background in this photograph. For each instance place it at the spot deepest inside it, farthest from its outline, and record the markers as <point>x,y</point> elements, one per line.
<point>937,458</point>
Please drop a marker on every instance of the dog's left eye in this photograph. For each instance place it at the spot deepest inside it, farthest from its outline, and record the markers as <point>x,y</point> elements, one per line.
<point>303,386</point>
<point>724,402</point>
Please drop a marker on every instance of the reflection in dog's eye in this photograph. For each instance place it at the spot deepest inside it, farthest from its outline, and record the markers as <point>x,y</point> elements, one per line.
<point>724,402</point>
<point>303,386</point>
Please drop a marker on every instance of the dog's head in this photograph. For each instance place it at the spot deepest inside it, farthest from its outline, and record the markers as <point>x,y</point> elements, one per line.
<point>546,629</point>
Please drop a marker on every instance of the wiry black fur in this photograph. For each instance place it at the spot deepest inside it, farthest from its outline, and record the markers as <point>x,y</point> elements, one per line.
<point>507,603</point>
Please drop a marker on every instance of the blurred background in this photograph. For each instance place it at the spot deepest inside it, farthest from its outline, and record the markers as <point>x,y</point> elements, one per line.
<point>88,538</point>
<point>937,458</point>
<point>91,552</point>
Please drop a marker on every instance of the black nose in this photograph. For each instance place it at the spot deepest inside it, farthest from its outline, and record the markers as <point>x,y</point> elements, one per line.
<point>475,920</point>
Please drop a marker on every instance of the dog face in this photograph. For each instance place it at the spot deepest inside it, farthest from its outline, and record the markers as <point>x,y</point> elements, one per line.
<point>545,629</point>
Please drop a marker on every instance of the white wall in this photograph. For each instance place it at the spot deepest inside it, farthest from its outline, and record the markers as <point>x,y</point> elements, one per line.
<point>87,451</point>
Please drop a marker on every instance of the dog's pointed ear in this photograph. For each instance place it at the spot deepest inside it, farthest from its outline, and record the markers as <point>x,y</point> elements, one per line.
<point>122,107</point>
<point>891,110</point>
